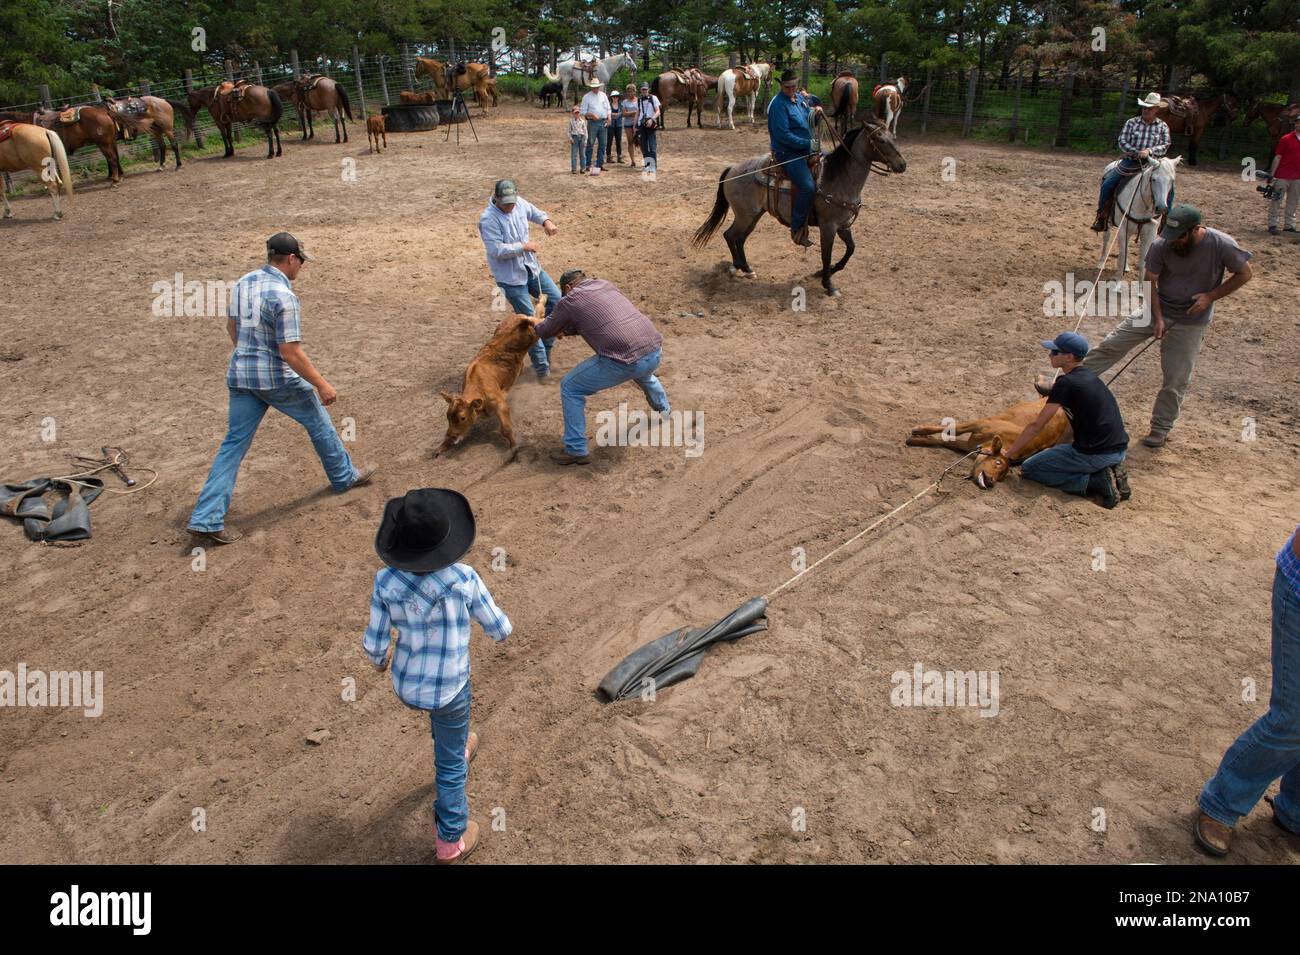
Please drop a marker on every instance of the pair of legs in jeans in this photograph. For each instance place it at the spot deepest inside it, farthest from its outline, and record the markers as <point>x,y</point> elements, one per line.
<point>297,399</point>
<point>596,374</point>
<point>802,178</point>
<point>450,728</point>
<point>521,298</point>
<point>576,146</point>
<point>1111,181</point>
<point>649,149</point>
<point>597,133</point>
<point>1064,467</point>
<point>1270,748</point>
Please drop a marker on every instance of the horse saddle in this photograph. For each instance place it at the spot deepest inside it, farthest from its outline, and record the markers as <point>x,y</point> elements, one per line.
<point>588,68</point>
<point>68,519</point>
<point>749,70</point>
<point>1181,105</point>
<point>1124,169</point>
<point>234,90</point>
<point>849,73</point>
<point>781,189</point>
<point>70,115</point>
<point>308,82</point>
<point>131,104</point>
<point>6,129</point>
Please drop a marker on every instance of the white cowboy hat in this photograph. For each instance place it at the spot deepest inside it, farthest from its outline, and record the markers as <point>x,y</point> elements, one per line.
<point>595,83</point>
<point>1151,100</point>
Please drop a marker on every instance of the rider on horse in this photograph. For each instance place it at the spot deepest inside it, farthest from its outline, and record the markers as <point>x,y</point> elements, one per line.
<point>1142,136</point>
<point>788,124</point>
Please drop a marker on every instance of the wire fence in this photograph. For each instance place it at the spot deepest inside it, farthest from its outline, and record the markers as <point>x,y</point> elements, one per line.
<point>1049,109</point>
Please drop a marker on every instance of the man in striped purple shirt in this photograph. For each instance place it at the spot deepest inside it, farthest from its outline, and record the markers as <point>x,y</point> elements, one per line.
<point>627,348</point>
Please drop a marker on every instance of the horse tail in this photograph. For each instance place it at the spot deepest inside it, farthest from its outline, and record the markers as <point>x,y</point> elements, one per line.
<point>654,87</point>
<point>720,206</point>
<point>277,107</point>
<point>553,77</point>
<point>60,160</point>
<point>343,98</point>
<point>185,113</point>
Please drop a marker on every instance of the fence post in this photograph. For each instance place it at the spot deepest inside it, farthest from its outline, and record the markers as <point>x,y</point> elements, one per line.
<point>731,60</point>
<point>803,70</point>
<point>383,79</point>
<point>925,103</point>
<point>189,81</point>
<point>1015,109</point>
<point>1123,98</point>
<point>884,68</point>
<point>230,71</point>
<point>361,90</point>
<point>970,101</point>
<point>406,66</point>
<point>45,95</point>
<point>257,72</point>
<point>293,63</point>
<point>1063,122</point>
<point>144,88</point>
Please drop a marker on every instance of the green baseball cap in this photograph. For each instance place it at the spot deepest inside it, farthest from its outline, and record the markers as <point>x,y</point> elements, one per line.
<point>505,190</point>
<point>1181,220</point>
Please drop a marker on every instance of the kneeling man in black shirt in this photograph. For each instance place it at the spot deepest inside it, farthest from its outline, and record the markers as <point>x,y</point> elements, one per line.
<point>1090,465</point>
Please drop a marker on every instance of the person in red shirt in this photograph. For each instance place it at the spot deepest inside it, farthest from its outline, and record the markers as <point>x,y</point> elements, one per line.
<point>1286,178</point>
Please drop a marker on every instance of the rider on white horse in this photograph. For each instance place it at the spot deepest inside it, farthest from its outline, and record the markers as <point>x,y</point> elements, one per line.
<point>788,123</point>
<point>1143,136</point>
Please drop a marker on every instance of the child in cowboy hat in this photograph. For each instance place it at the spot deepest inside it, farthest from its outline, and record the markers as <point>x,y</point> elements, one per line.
<point>429,598</point>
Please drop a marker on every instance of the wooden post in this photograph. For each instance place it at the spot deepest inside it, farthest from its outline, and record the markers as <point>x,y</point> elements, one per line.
<point>230,71</point>
<point>884,67</point>
<point>1123,100</point>
<point>1063,122</point>
<point>189,81</point>
<point>803,72</point>
<point>968,118</point>
<point>257,72</point>
<point>361,90</point>
<point>144,88</point>
<point>45,95</point>
<point>1015,109</point>
<point>925,103</point>
<point>293,62</point>
<point>406,66</point>
<point>731,60</point>
<point>383,80</point>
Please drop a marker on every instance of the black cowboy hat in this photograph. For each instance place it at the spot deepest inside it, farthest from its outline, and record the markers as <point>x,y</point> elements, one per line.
<point>426,530</point>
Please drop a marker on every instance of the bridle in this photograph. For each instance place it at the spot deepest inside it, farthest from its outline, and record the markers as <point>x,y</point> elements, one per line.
<point>1149,175</point>
<point>875,163</point>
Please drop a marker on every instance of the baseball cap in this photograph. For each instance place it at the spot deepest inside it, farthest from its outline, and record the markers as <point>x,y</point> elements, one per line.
<point>1181,219</point>
<point>1072,343</point>
<point>505,190</point>
<point>615,94</point>
<point>282,243</point>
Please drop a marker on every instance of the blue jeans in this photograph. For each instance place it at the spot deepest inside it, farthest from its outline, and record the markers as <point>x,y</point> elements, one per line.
<point>1062,466</point>
<point>1270,747</point>
<point>450,728</point>
<point>649,148</point>
<point>1110,182</point>
<point>596,374</point>
<point>576,146</point>
<point>298,400</point>
<point>802,178</point>
<point>520,298</point>
<point>597,132</point>
<point>615,140</point>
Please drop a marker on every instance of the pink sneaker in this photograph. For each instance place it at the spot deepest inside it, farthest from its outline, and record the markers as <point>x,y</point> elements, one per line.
<point>449,853</point>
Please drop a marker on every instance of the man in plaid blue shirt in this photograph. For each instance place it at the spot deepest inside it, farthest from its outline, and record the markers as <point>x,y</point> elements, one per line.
<point>269,369</point>
<point>1142,137</point>
<point>1270,747</point>
<point>429,599</point>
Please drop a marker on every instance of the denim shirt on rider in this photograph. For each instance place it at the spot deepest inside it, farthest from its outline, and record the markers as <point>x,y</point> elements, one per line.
<point>787,125</point>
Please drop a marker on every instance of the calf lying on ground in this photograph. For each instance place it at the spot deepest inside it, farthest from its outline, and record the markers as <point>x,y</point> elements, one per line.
<point>490,376</point>
<point>374,130</point>
<point>990,435</point>
<point>409,96</point>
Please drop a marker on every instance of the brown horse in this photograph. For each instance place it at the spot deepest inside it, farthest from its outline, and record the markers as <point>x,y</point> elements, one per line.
<point>287,90</point>
<point>682,86</point>
<point>320,94</point>
<point>28,146</point>
<point>1276,117</point>
<point>1194,115</point>
<point>79,126</point>
<point>241,102</point>
<point>844,101</point>
<point>152,115</point>
<point>887,102</point>
<point>468,76</point>
<point>737,82</point>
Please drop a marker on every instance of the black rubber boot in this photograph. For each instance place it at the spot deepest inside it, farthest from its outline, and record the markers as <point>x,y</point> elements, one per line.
<point>1101,485</point>
<point>1121,482</point>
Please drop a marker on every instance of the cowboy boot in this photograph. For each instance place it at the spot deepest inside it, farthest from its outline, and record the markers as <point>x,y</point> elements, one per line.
<point>1099,223</point>
<point>800,236</point>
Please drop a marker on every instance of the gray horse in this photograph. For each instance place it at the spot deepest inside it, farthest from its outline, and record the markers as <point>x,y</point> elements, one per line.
<point>744,189</point>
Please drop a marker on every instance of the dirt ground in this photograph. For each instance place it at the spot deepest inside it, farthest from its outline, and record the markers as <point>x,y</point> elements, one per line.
<point>1119,689</point>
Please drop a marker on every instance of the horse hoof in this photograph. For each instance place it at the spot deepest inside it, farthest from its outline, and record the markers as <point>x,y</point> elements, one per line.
<point>750,274</point>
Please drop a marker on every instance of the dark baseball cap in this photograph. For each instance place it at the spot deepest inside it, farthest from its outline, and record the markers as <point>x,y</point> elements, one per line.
<point>1182,218</point>
<point>1072,343</point>
<point>282,243</point>
<point>505,190</point>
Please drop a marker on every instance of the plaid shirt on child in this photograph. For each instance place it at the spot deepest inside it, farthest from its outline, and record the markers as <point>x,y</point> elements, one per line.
<point>266,315</point>
<point>431,613</point>
<point>1289,564</point>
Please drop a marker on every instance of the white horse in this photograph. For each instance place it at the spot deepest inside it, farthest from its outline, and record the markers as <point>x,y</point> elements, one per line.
<point>1139,202</point>
<point>568,71</point>
<point>735,82</point>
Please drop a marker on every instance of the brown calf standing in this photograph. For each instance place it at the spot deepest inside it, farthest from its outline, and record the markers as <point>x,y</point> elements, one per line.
<point>374,131</point>
<point>489,378</point>
<point>990,435</point>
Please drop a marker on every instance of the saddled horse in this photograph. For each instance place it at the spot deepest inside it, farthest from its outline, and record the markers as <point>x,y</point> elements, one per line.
<point>581,73</point>
<point>468,76</point>
<point>28,146</point>
<point>1277,117</point>
<point>241,102</point>
<point>748,190</point>
<point>1139,202</point>
<point>1191,116</point>
<point>79,126</point>
<point>887,102</point>
<point>844,101</point>
<point>155,116</point>
<point>320,94</point>
<point>740,81</point>
<point>683,86</point>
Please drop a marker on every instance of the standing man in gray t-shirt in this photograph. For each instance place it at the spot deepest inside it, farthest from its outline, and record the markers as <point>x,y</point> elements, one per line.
<point>1185,269</point>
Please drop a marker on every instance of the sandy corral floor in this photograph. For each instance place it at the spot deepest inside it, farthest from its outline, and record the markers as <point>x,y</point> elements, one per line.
<point>1118,689</point>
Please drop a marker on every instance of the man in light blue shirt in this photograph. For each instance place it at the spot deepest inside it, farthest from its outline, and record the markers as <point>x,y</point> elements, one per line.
<point>512,257</point>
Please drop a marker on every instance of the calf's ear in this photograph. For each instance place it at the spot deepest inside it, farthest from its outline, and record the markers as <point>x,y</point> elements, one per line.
<point>997,445</point>
<point>477,404</point>
<point>450,399</point>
